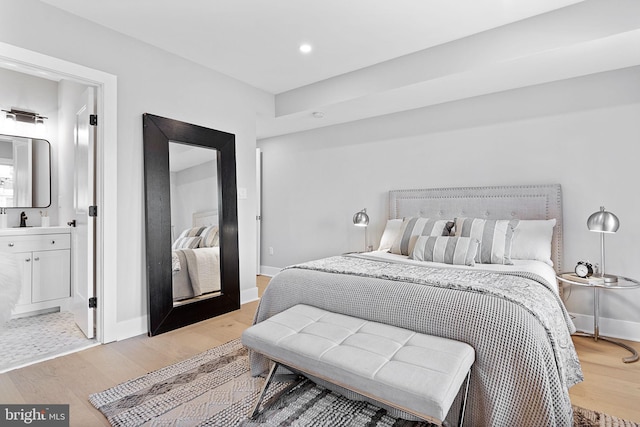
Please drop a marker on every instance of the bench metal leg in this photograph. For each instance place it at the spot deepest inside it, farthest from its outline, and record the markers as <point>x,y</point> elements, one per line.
<point>292,378</point>
<point>464,400</point>
<point>256,408</point>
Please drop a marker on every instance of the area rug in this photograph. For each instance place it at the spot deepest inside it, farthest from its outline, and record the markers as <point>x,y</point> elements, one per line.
<point>215,388</point>
<point>28,340</point>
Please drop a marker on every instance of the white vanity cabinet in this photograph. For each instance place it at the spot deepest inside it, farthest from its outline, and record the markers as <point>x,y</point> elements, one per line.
<point>44,260</point>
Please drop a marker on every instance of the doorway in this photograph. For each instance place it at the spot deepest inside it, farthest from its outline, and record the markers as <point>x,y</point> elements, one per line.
<point>105,85</point>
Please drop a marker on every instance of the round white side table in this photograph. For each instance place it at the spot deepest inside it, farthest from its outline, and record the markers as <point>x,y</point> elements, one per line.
<point>622,283</point>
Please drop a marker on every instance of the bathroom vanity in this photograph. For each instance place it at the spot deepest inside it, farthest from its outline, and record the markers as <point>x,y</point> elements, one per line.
<point>43,255</point>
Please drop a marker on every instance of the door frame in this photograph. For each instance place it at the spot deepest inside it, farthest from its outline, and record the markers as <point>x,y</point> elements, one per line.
<point>30,62</point>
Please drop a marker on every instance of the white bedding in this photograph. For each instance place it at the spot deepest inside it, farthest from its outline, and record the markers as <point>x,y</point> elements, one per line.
<point>530,266</point>
<point>195,272</point>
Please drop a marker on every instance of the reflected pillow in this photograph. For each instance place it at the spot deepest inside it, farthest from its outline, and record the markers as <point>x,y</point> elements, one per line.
<point>445,249</point>
<point>414,227</point>
<point>210,237</point>
<point>495,237</point>
<point>186,243</point>
<point>191,232</point>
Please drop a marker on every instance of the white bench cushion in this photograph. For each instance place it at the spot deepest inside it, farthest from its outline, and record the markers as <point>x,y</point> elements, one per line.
<point>417,372</point>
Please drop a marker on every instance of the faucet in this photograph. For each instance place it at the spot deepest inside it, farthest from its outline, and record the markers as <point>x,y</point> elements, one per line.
<point>23,219</point>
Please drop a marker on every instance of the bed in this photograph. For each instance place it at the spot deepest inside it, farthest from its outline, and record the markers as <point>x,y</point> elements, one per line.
<point>196,258</point>
<point>501,298</point>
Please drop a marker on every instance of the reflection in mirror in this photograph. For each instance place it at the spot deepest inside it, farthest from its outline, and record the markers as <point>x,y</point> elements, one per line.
<point>204,196</point>
<point>195,239</point>
<point>25,172</point>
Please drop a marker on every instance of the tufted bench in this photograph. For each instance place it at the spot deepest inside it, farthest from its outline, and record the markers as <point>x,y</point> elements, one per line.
<point>416,373</point>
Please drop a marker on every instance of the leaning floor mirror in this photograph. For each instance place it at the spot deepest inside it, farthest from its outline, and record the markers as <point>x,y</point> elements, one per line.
<point>191,223</point>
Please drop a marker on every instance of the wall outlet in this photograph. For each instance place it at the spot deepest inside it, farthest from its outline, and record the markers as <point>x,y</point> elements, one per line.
<point>270,250</point>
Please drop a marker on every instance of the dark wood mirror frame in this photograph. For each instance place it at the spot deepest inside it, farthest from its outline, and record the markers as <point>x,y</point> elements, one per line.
<point>163,316</point>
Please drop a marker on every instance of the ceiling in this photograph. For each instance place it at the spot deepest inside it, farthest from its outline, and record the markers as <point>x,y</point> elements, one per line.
<point>373,57</point>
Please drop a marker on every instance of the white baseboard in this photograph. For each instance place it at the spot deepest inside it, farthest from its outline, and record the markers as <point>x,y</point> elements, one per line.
<point>265,270</point>
<point>138,326</point>
<point>613,328</point>
<point>132,327</point>
<point>249,295</point>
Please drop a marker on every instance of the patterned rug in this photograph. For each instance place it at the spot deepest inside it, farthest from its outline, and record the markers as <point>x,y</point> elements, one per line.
<point>29,340</point>
<point>215,388</point>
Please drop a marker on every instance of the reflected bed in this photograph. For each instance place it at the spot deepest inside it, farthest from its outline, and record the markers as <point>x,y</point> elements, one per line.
<point>195,255</point>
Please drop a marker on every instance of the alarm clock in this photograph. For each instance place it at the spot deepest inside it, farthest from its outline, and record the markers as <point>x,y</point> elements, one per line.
<point>584,269</point>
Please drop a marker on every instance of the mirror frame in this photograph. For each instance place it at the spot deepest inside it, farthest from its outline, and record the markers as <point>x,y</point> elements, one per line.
<point>49,190</point>
<point>157,132</point>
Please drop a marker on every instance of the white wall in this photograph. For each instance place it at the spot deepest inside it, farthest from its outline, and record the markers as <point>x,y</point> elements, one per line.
<point>189,188</point>
<point>582,133</point>
<point>149,80</point>
<point>32,93</point>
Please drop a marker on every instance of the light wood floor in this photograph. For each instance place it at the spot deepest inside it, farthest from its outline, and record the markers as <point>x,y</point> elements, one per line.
<point>610,385</point>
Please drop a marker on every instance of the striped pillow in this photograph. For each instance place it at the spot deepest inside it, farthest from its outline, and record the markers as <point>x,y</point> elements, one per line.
<point>210,237</point>
<point>495,236</point>
<point>414,227</point>
<point>186,243</point>
<point>449,250</point>
<point>191,232</point>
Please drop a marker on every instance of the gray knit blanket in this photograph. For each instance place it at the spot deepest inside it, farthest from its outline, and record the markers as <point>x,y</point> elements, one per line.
<point>517,324</point>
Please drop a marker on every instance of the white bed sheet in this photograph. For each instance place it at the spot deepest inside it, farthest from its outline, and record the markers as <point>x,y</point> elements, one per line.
<point>531,266</point>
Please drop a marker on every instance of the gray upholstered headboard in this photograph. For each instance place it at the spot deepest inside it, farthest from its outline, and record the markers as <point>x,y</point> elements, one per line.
<point>504,202</point>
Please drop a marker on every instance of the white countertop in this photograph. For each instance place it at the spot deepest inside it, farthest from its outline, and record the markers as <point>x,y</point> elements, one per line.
<point>21,231</point>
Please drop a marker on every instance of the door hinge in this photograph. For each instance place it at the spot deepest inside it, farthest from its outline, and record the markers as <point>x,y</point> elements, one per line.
<point>93,302</point>
<point>93,211</point>
<point>93,119</point>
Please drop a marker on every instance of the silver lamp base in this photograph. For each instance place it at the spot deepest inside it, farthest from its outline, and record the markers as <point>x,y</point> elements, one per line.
<point>607,278</point>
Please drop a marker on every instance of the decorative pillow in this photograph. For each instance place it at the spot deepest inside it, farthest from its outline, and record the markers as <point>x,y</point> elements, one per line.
<point>414,227</point>
<point>390,233</point>
<point>449,250</point>
<point>532,240</point>
<point>210,237</point>
<point>186,243</point>
<point>495,237</point>
<point>191,232</point>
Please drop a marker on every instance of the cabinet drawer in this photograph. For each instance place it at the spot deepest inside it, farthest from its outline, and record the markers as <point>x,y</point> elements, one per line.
<point>36,242</point>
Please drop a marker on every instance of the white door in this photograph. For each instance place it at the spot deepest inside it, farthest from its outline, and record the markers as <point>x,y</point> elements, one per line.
<point>83,263</point>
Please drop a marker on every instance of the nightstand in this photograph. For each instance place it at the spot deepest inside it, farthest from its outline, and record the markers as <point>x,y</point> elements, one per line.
<point>622,283</point>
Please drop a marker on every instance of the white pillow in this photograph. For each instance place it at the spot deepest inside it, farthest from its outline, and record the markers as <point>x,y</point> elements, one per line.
<point>532,240</point>
<point>390,233</point>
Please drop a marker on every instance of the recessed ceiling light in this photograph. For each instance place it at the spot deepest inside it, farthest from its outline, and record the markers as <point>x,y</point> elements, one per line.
<point>306,48</point>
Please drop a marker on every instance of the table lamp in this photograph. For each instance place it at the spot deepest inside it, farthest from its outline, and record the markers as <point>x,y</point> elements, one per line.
<point>603,222</point>
<point>361,219</point>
